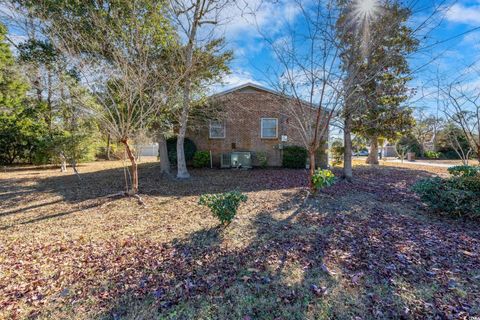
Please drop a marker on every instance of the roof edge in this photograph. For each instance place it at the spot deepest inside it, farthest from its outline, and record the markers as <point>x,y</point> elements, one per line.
<point>245,85</point>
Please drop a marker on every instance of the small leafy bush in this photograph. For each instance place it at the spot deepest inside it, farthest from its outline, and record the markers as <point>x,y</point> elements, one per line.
<point>432,154</point>
<point>294,157</point>
<point>323,178</point>
<point>224,206</point>
<point>464,171</point>
<point>262,159</point>
<point>456,196</point>
<point>201,159</point>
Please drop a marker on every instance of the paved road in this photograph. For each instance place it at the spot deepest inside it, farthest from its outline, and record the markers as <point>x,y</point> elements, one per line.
<point>441,165</point>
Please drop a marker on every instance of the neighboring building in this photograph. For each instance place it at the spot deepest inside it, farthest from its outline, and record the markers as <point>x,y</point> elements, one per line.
<point>389,151</point>
<point>252,119</point>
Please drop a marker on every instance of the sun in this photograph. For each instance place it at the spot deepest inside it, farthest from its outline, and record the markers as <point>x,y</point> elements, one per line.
<point>365,10</point>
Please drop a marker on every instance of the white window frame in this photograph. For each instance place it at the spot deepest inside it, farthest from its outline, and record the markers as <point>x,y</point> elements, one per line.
<point>276,128</point>
<point>210,129</point>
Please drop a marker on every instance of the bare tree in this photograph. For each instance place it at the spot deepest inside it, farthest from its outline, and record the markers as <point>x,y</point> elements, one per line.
<point>462,107</point>
<point>307,68</point>
<point>196,21</point>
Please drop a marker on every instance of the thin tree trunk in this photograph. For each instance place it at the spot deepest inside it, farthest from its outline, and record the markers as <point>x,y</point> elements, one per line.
<point>347,155</point>
<point>182,172</point>
<point>311,157</point>
<point>64,163</point>
<point>75,170</point>
<point>108,147</point>
<point>163,154</point>
<point>49,100</point>
<point>133,168</point>
<point>373,155</point>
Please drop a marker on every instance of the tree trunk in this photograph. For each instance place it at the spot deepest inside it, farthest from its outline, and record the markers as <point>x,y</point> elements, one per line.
<point>182,172</point>
<point>133,168</point>
<point>163,154</point>
<point>49,100</point>
<point>108,147</point>
<point>64,163</point>
<point>311,157</point>
<point>373,155</point>
<point>347,155</point>
<point>75,170</point>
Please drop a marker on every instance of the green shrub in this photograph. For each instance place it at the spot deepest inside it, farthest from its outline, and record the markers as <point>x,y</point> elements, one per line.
<point>432,155</point>
<point>201,159</point>
<point>468,183</point>
<point>410,144</point>
<point>455,196</point>
<point>323,178</point>
<point>464,171</point>
<point>262,159</point>
<point>294,157</point>
<point>188,146</point>
<point>338,150</point>
<point>224,206</point>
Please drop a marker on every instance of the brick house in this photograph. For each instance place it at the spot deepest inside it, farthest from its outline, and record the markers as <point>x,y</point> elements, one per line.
<point>251,118</point>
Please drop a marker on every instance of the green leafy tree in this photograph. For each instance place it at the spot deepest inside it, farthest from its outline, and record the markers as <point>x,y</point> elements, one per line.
<point>19,126</point>
<point>119,47</point>
<point>374,56</point>
<point>385,74</point>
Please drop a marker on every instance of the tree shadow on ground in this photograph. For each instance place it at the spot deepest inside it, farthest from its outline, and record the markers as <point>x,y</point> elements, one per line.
<point>362,249</point>
<point>360,259</point>
<point>96,184</point>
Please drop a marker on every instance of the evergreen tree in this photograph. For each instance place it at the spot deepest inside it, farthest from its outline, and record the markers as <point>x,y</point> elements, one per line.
<point>377,107</point>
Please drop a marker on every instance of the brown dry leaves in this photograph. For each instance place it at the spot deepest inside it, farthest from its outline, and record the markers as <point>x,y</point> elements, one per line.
<point>68,252</point>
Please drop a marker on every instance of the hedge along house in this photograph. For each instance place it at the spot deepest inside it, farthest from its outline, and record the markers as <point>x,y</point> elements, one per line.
<point>252,122</point>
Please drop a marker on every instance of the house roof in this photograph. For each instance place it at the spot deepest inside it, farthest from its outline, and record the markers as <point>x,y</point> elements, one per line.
<point>246,85</point>
<point>262,88</point>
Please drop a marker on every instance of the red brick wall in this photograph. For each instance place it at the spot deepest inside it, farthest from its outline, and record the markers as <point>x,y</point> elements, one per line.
<point>242,111</point>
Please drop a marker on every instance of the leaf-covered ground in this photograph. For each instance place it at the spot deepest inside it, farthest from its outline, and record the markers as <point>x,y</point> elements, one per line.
<point>362,250</point>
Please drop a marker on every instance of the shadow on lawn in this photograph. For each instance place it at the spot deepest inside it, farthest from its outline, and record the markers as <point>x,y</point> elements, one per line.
<point>358,249</point>
<point>320,262</point>
<point>101,183</point>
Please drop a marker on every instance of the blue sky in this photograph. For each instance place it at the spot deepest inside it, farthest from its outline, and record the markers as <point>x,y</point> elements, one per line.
<point>437,58</point>
<point>448,48</point>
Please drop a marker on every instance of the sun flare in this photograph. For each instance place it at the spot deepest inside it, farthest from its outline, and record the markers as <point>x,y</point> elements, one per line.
<point>365,9</point>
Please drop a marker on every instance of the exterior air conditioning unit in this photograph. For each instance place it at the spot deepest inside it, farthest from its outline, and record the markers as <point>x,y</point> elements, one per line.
<point>236,160</point>
<point>225,160</point>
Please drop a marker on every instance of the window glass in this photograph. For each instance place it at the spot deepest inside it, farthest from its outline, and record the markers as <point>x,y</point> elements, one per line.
<point>217,129</point>
<point>269,128</point>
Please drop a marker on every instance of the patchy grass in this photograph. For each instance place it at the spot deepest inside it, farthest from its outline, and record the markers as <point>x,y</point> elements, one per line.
<point>366,249</point>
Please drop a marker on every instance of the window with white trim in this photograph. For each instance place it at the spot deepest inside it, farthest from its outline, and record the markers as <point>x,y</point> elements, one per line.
<point>269,128</point>
<point>217,130</point>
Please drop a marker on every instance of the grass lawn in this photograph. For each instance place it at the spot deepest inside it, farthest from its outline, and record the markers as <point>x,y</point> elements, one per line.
<point>361,250</point>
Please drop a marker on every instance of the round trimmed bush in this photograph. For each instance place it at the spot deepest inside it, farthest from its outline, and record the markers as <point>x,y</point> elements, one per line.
<point>294,157</point>
<point>201,159</point>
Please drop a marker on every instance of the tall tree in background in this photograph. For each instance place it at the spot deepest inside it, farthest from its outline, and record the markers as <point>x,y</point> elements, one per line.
<point>380,56</point>
<point>425,130</point>
<point>19,126</point>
